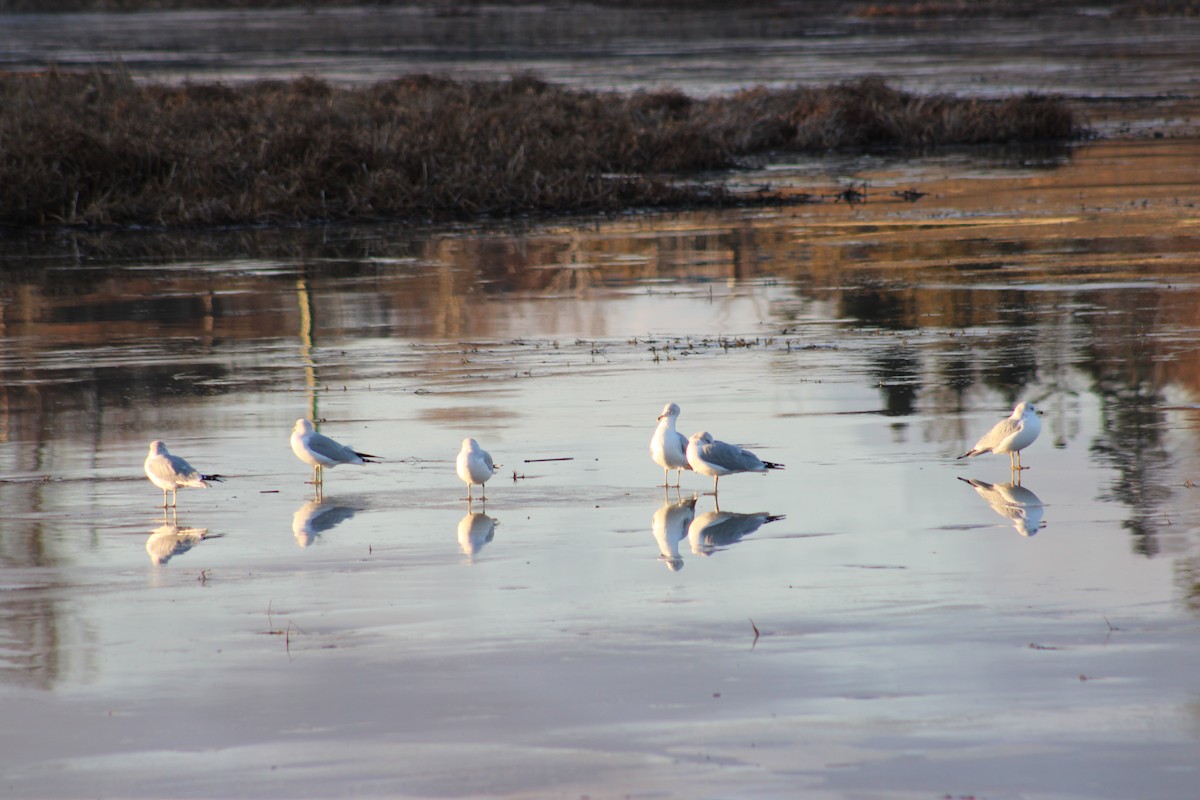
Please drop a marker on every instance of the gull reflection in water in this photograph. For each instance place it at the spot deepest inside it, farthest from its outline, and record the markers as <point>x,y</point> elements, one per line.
<point>317,516</point>
<point>716,530</point>
<point>1013,502</point>
<point>474,531</point>
<point>169,540</point>
<point>670,527</point>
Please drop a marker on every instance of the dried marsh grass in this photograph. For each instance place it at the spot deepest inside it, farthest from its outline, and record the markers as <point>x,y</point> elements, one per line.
<point>101,149</point>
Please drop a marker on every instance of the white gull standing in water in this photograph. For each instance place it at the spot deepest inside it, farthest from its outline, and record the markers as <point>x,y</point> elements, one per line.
<point>321,451</point>
<point>170,473</point>
<point>711,457</point>
<point>474,465</point>
<point>1011,435</point>
<point>668,447</point>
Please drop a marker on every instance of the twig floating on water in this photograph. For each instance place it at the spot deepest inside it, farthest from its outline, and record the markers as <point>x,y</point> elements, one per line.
<point>536,460</point>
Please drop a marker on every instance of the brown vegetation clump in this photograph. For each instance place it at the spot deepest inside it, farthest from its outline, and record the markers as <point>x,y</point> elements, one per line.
<point>869,113</point>
<point>100,148</point>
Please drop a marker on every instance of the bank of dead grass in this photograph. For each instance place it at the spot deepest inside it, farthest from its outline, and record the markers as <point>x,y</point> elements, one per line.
<point>101,149</point>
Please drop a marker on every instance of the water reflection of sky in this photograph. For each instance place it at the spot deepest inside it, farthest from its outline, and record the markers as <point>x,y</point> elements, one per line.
<point>700,50</point>
<point>864,358</point>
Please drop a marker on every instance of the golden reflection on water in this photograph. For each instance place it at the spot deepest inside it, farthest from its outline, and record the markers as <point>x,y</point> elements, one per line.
<point>963,257</point>
<point>1051,253</point>
<point>307,335</point>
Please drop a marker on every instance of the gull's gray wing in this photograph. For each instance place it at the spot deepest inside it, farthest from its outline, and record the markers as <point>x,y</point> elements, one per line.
<point>731,457</point>
<point>683,445</point>
<point>1003,430</point>
<point>335,451</point>
<point>172,468</point>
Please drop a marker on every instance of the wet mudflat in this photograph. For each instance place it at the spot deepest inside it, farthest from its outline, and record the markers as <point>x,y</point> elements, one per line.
<point>892,631</point>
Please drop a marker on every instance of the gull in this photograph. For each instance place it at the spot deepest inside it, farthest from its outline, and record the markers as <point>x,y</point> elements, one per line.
<point>1013,502</point>
<point>474,465</point>
<point>169,472</point>
<point>321,451</point>
<point>670,527</point>
<point>1011,435</point>
<point>668,447</point>
<point>710,457</point>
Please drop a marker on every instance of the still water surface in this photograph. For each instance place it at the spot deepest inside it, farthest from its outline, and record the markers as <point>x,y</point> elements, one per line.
<point>1127,70</point>
<point>585,632</point>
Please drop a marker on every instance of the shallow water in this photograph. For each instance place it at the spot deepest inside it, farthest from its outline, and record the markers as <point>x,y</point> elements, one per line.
<point>890,634</point>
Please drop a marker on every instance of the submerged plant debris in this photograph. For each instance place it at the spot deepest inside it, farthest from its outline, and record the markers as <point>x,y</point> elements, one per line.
<point>99,148</point>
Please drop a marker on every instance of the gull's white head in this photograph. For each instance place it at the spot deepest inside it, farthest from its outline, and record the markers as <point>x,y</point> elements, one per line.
<point>157,448</point>
<point>470,444</point>
<point>703,437</point>
<point>303,426</point>
<point>669,410</point>
<point>1026,409</point>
